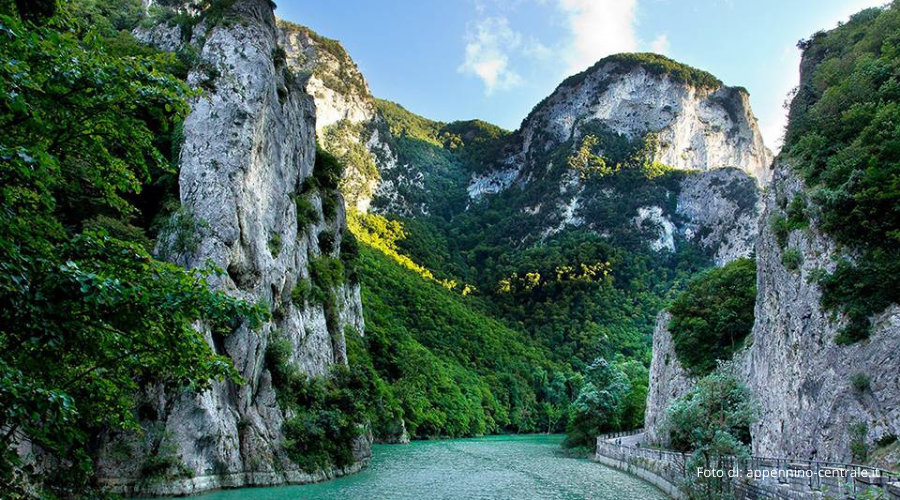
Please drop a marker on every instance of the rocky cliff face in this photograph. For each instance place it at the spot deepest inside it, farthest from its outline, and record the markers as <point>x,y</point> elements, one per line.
<point>668,380</point>
<point>718,210</point>
<point>249,145</point>
<point>699,127</point>
<point>800,376</point>
<point>348,123</point>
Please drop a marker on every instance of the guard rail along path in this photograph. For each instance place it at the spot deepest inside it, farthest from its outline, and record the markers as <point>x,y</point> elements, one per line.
<point>755,478</point>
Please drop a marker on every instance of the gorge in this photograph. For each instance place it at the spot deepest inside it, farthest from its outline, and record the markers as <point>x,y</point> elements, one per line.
<point>253,272</point>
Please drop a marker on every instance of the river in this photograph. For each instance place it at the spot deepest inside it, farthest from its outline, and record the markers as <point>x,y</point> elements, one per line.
<point>529,467</point>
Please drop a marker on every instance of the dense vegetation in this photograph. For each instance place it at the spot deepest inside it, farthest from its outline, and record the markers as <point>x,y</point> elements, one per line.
<point>88,316</point>
<point>712,423</point>
<point>843,139</point>
<point>586,300</point>
<point>454,370</point>
<point>655,64</point>
<point>714,315</point>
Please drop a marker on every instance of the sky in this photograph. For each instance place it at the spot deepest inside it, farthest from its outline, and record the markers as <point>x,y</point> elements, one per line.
<point>495,59</point>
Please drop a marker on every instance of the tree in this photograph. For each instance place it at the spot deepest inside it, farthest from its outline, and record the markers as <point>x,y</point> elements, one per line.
<point>714,315</point>
<point>87,316</point>
<point>598,407</point>
<point>712,423</point>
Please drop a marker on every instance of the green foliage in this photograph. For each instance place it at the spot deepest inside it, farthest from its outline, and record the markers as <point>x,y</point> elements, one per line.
<point>712,423</point>
<point>118,229</point>
<point>781,229</point>
<point>274,244</point>
<point>600,403</point>
<point>792,259</point>
<point>797,218</point>
<point>211,13</point>
<point>718,404</point>
<point>446,153</point>
<point>107,17</point>
<point>404,124</point>
<point>83,133</point>
<point>328,415</point>
<point>576,295</point>
<point>302,292</point>
<point>328,170</point>
<point>861,289</point>
<point>330,204</point>
<point>180,233</point>
<point>454,370</point>
<point>859,445</point>
<point>278,361</point>
<point>860,381</point>
<point>347,142</point>
<point>163,464</point>
<point>36,11</point>
<point>384,235</point>
<point>327,272</point>
<point>843,139</point>
<point>349,254</point>
<point>306,212</point>
<point>326,242</point>
<point>714,315</point>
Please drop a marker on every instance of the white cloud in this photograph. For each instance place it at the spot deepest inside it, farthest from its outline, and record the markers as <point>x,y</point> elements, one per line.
<point>489,44</point>
<point>660,44</point>
<point>598,28</point>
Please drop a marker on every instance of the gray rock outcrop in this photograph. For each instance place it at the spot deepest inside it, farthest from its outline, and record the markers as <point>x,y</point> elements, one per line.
<point>348,123</point>
<point>720,211</point>
<point>249,143</point>
<point>800,376</point>
<point>668,380</point>
<point>697,127</point>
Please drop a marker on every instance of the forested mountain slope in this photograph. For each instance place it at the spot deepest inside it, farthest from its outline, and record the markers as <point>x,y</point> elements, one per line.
<point>574,230</point>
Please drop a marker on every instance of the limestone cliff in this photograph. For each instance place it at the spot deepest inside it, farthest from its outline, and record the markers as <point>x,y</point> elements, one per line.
<point>700,124</point>
<point>718,210</point>
<point>800,376</point>
<point>348,123</point>
<point>668,380</point>
<point>249,143</point>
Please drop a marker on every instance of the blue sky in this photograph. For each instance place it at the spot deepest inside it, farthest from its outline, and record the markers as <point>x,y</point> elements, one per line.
<point>496,59</point>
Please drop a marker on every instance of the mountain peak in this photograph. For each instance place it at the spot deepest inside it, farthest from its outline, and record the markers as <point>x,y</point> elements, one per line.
<point>699,123</point>
<point>656,64</point>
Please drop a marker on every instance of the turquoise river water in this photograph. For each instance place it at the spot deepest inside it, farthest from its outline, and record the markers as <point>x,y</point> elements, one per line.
<point>528,467</point>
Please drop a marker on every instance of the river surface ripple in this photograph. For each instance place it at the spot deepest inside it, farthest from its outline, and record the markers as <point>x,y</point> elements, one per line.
<point>524,467</point>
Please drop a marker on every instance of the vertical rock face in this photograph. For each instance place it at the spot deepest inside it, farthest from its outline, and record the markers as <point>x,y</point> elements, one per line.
<point>698,126</point>
<point>720,209</point>
<point>800,376</point>
<point>668,380</point>
<point>249,144</point>
<point>348,123</point>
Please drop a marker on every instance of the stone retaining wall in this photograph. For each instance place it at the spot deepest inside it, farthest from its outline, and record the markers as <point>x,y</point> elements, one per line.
<point>787,479</point>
